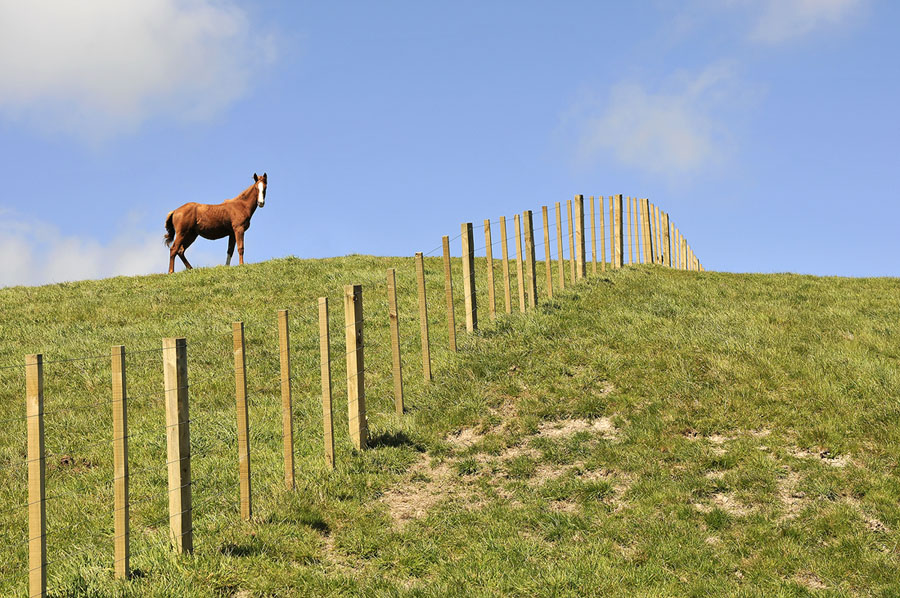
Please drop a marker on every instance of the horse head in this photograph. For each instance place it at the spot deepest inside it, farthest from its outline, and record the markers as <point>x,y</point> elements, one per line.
<point>261,184</point>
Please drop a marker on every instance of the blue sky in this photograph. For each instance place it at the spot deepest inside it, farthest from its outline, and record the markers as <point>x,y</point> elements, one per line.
<point>768,129</point>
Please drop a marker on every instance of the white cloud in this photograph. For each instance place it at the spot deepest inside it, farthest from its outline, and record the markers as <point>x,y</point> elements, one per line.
<point>676,132</point>
<point>36,253</point>
<point>97,68</point>
<point>782,20</point>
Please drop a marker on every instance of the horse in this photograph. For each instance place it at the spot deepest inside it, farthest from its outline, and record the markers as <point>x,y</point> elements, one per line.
<point>231,219</point>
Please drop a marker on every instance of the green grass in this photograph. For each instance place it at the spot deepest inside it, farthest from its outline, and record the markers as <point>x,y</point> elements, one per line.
<point>648,433</point>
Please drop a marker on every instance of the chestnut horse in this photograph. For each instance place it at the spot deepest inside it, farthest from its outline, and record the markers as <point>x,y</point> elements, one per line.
<point>231,219</point>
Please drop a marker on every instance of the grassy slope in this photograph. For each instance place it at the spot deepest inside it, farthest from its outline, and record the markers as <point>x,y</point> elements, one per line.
<point>754,450</point>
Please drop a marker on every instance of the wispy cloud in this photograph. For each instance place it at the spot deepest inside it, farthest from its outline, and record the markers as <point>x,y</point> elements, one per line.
<point>677,131</point>
<point>35,252</point>
<point>102,67</point>
<point>783,20</point>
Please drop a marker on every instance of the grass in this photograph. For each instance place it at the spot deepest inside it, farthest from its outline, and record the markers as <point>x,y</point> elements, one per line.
<point>647,433</point>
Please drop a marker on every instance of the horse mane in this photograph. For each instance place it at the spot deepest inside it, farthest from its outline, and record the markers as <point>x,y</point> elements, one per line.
<point>244,194</point>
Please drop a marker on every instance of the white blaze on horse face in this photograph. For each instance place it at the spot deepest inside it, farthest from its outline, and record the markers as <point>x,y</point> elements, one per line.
<point>260,200</point>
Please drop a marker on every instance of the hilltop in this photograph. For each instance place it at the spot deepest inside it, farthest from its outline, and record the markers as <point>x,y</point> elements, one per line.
<point>648,432</point>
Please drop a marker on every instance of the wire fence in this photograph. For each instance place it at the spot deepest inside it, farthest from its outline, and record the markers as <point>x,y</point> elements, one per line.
<point>55,457</point>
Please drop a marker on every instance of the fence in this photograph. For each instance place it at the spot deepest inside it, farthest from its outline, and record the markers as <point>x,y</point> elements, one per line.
<point>377,355</point>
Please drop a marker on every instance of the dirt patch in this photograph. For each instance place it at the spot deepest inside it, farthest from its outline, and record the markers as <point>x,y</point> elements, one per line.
<point>344,564</point>
<point>70,463</point>
<point>716,440</point>
<point>811,581</point>
<point>465,438</point>
<point>569,427</point>
<point>824,456</point>
<point>426,484</point>
<point>790,497</point>
<point>875,526</point>
<point>425,487</point>
<point>724,502</point>
<point>727,503</point>
<point>563,506</point>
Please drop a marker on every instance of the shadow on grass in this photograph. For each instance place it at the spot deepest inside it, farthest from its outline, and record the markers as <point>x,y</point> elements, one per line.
<point>395,440</point>
<point>240,550</point>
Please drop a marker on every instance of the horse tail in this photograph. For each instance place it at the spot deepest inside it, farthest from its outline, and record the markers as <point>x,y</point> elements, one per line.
<point>170,230</point>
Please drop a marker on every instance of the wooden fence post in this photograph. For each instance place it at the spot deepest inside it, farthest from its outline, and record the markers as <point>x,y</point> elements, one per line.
<point>547,260</point>
<point>647,231</point>
<point>666,241</point>
<point>394,317</point>
<point>612,233</point>
<point>648,228</point>
<point>593,239</point>
<point>571,240</point>
<point>504,246</point>
<point>178,443</point>
<point>663,238</point>
<point>519,267</point>
<point>559,248</point>
<point>121,528</point>
<point>489,259</point>
<point>448,292</point>
<point>602,234</point>
<point>37,476</point>
<point>657,235</point>
<point>423,317</point>
<point>638,231</point>
<point>287,409</point>
<point>631,229</point>
<point>468,268</point>
<point>243,419</point>
<point>620,238</point>
<point>325,365</point>
<point>676,248</point>
<point>580,260</point>
<point>531,278</point>
<point>356,368</point>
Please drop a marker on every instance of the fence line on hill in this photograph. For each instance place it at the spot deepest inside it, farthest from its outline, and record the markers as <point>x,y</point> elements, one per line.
<point>647,231</point>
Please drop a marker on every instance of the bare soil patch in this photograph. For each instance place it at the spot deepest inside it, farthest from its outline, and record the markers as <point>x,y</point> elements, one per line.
<point>425,487</point>
<point>569,427</point>
<point>724,501</point>
<point>790,497</point>
<point>811,581</point>
<point>824,456</point>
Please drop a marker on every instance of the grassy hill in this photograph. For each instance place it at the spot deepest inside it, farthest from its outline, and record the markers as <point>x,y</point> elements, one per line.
<point>648,433</point>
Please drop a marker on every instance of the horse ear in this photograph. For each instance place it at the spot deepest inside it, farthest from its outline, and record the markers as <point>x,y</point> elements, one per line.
<point>255,178</point>
<point>265,178</point>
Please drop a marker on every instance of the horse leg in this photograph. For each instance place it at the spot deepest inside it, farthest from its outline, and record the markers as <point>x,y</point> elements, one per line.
<point>230,249</point>
<point>239,234</point>
<point>173,251</point>
<point>185,243</point>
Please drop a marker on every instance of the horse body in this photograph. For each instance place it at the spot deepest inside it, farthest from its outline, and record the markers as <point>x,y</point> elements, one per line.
<point>230,218</point>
